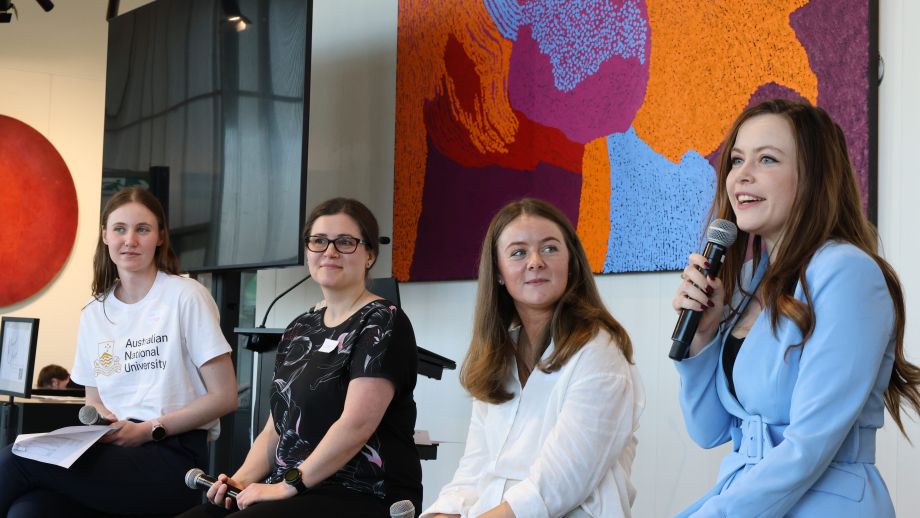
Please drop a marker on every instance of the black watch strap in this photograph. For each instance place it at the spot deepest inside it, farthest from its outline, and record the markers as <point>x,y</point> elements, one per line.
<point>292,477</point>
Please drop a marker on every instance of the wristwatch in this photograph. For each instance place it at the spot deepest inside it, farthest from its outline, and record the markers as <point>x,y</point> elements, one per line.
<point>157,432</point>
<point>292,477</point>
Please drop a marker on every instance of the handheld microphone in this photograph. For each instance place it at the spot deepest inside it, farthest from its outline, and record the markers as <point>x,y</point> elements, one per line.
<point>89,416</point>
<point>719,236</point>
<point>196,479</point>
<point>402,509</point>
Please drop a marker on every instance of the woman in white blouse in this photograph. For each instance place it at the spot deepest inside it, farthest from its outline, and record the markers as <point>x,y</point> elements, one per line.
<point>557,399</point>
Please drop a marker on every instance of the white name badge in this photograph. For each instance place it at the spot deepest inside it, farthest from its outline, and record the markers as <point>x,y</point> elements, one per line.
<point>328,346</point>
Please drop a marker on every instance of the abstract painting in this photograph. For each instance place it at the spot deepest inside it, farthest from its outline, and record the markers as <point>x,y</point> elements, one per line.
<point>613,110</point>
<point>38,211</point>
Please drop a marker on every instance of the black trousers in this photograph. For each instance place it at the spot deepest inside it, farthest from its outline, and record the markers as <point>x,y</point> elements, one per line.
<point>323,501</point>
<point>107,480</point>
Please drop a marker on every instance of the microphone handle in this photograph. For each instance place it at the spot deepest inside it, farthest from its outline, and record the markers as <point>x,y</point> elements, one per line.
<point>689,320</point>
<point>205,482</point>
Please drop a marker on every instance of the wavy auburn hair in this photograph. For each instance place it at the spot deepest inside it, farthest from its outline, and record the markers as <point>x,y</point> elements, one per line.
<point>577,318</point>
<point>827,206</point>
<point>104,272</point>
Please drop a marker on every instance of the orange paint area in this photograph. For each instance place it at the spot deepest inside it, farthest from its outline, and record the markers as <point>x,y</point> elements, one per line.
<point>594,205</point>
<point>486,117</point>
<point>707,59</point>
<point>531,144</point>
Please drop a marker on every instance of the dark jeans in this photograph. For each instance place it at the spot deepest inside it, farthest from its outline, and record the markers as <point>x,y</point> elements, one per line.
<point>107,479</point>
<point>322,501</point>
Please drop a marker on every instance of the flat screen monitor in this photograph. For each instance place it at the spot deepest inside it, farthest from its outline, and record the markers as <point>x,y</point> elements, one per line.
<point>18,337</point>
<point>211,115</point>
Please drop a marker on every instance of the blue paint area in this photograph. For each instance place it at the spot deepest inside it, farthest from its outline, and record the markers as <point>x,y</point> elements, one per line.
<point>577,35</point>
<point>507,15</point>
<point>658,209</point>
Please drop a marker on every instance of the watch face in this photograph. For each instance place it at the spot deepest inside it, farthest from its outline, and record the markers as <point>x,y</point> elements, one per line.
<point>159,433</point>
<point>292,476</point>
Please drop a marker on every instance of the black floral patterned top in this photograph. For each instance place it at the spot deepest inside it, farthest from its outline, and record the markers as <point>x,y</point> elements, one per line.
<point>313,367</point>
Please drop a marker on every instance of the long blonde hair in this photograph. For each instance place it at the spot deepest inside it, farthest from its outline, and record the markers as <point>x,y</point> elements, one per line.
<point>577,318</point>
<point>827,206</point>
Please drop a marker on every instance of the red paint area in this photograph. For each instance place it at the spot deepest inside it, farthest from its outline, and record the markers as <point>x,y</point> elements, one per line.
<point>533,143</point>
<point>38,211</point>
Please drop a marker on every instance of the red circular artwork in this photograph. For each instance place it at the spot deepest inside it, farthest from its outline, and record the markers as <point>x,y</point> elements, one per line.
<point>38,211</point>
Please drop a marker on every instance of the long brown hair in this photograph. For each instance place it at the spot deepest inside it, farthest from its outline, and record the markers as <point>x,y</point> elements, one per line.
<point>578,316</point>
<point>104,272</point>
<point>827,206</point>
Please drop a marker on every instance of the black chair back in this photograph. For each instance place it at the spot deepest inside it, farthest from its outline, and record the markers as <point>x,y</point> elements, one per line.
<point>387,287</point>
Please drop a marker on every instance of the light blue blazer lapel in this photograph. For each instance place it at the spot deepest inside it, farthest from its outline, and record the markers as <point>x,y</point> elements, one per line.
<point>740,301</point>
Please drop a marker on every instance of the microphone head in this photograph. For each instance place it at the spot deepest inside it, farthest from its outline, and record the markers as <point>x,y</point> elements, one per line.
<point>722,232</point>
<point>88,415</point>
<point>192,476</point>
<point>402,509</point>
<point>384,240</point>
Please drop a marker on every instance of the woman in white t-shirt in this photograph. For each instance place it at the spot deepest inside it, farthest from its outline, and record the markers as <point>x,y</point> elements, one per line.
<point>154,362</point>
<point>556,397</point>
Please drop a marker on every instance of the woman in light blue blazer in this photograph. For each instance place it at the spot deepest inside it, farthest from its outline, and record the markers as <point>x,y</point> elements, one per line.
<point>800,346</point>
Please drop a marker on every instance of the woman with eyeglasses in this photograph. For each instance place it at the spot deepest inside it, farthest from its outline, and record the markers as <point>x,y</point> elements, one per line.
<point>338,440</point>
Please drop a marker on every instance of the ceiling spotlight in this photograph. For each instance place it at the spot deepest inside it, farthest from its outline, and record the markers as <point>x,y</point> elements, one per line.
<point>5,7</point>
<point>233,15</point>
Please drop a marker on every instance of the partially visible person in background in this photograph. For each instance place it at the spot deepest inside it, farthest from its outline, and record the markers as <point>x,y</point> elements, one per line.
<point>55,377</point>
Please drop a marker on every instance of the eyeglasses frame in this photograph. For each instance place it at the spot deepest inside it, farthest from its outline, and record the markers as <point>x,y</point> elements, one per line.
<point>330,241</point>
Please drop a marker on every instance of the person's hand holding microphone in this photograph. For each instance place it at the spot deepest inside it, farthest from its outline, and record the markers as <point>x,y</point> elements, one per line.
<point>700,296</point>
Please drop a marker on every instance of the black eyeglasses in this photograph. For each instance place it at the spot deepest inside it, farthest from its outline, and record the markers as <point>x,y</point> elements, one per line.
<point>343,244</point>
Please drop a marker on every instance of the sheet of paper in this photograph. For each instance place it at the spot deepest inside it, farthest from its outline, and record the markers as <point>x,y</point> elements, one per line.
<point>61,447</point>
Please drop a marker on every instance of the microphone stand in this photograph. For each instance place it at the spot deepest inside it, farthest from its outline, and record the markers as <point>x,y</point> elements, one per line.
<point>258,343</point>
<point>283,293</point>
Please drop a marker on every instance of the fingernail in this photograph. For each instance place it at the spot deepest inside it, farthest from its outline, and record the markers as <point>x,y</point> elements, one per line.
<point>709,290</point>
<point>710,277</point>
<point>707,265</point>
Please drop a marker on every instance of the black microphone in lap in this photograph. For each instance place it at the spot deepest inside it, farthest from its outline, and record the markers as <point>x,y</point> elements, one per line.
<point>719,236</point>
<point>402,509</point>
<point>90,416</point>
<point>196,479</point>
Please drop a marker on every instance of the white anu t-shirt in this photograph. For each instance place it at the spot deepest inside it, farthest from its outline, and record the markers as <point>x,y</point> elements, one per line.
<point>144,357</point>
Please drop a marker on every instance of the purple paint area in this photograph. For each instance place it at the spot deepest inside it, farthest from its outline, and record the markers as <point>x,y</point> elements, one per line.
<point>458,203</point>
<point>603,103</point>
<point>764,92</point>
<point>838,51</point>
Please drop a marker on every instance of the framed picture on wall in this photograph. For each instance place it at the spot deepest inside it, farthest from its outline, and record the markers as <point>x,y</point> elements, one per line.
<point>18,337</point>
